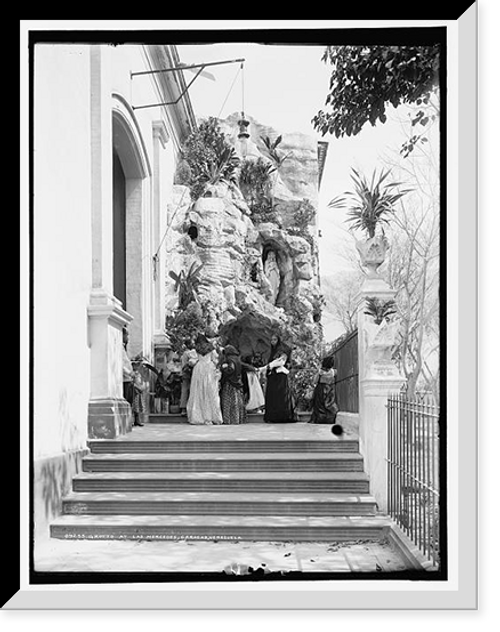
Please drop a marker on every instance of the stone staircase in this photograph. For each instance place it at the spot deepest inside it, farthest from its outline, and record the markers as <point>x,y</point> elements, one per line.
<point>290,482</point>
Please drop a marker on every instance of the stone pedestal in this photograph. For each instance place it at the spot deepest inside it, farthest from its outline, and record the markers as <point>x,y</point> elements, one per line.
<point>379,377</point>
<point>109,418</point>
<point>109,414</point>
<point>373,394</point>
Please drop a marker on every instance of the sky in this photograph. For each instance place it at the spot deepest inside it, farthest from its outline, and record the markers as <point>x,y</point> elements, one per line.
<point>284,86</point>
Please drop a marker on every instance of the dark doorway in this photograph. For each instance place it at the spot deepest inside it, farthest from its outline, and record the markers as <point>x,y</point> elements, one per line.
<point>119,231</point>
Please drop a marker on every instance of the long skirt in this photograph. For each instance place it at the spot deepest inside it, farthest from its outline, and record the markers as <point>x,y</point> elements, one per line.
<point>324,406</point>
<point>233,404</point>
<point>279,400</point>
<point>139,406</point>
<point>128,392</point>
<point>203,406</point>
<point>185,388</point>
<point>139,402</point>
<point>255,393</point>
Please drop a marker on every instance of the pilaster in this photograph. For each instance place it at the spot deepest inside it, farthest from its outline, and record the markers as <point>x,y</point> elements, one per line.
<point>109,414</point>
<point>160,140</point>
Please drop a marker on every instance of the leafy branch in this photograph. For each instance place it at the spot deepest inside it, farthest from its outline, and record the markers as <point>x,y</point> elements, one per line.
<point>186,284</point>
<point>271,148</point>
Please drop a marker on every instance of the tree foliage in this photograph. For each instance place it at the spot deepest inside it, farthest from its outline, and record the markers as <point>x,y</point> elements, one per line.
<point>185,324</point>
<point>366,79</point>
<point>413,268</point>
<point>305,339</point>
<point>302,214</point>
<point>256,187</point>
<point>255,180</point>
<point>208,158</point>
<point>341,292</point>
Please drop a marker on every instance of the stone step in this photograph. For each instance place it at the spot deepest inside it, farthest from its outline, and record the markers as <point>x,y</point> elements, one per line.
<point>252,418</point>
<point>213,503</point>
<point>344,482</point>
<point>208,527</point>
<point>223,462</point>
<point>135,445</point>
<point>163,418</point>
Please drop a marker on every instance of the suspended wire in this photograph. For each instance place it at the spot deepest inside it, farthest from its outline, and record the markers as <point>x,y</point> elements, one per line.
<point>240,69</point>
<point>230,89</point>
<point>242,89</point>
<point>155,256</point>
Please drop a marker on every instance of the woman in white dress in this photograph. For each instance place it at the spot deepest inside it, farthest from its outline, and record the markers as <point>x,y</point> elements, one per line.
<point>252,386</point>
<point>203,405</point>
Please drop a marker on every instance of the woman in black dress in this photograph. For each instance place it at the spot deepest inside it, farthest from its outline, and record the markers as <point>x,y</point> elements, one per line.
<point>324,405</point>
<point>279,401</point>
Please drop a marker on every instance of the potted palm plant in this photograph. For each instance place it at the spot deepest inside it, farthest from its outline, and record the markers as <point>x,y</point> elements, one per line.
<point>186,284</point>
<point>370,206</point>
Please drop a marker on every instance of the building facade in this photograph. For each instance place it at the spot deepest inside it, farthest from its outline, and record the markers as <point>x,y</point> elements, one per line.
<point>104,157</point>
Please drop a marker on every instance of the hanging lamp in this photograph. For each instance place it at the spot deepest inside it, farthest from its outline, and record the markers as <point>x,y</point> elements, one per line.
<point>243,125</point>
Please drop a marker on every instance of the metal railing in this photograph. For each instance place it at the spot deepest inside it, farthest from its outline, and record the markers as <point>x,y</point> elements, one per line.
<point>413,469</point>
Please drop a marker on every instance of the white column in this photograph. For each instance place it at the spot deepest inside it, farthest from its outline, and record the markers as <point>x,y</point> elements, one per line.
<point>160,140</point>
<point>109,414</point>
<point>378,378</point>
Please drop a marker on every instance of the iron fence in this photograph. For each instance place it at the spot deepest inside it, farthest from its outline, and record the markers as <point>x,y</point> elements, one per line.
<point>413,469</point>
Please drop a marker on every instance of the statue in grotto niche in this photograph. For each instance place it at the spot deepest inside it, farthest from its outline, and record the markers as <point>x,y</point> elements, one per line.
<point>272,273</point>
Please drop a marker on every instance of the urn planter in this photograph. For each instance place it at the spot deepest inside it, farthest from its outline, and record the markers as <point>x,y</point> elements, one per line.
<point>372,253</point>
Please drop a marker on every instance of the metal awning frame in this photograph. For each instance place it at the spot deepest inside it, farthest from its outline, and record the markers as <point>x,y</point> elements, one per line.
<point>200,68</point>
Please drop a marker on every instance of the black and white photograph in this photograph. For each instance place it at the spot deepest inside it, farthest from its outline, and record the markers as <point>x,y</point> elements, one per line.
<point>239,369</point>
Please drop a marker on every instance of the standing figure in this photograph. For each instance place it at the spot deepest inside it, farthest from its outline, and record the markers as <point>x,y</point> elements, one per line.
<point>188,360</point>
<point>203,405</point>
<point>232,398</point>
<point>272,273</point>
<point>140,387</point>
<point>254,395</point>
<point>324,405</point>
<point>278,399</point>
<point>128,371</point>
<point>161,392</point>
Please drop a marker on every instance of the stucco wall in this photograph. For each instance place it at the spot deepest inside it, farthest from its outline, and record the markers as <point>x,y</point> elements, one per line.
<point>64,196</point>
<point>62,247</point>
<point>146,292</point>
<point>76,90</point>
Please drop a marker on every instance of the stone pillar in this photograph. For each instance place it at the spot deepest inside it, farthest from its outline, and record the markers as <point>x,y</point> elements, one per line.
<point>378,377</point>
<point>109,414</point>
<point>160,140</point>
